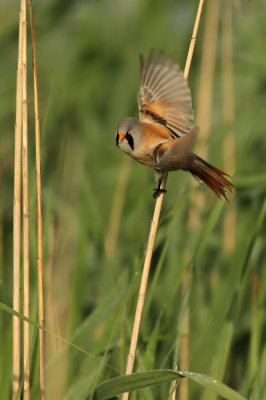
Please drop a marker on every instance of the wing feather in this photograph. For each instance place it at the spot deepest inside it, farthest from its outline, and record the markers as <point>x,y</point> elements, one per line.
<point>175,154</point>
<point>164,95</point>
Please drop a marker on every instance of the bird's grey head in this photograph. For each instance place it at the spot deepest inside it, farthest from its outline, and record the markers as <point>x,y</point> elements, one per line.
<point>128,134</point>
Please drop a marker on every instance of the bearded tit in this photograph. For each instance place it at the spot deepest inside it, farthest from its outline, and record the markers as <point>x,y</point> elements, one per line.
<point>163,135</point>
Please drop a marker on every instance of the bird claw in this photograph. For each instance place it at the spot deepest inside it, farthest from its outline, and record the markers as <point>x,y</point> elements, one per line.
<point>157,192</point>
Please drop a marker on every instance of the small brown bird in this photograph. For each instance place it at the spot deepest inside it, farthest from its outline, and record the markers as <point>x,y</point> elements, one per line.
<point>163,136</point>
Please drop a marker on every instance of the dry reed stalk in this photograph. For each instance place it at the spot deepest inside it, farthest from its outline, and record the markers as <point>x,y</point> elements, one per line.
<point>184,343</point>
<point>238,6</point>
<point>39,210</point>
<point>204,107</point>
<point>175,384</point>
<point>204,101</point>
<point>228,114</point>
<point>117,207</point>
<point>51,322</point>
<point>193,39</point>
<point>152,234</point>
<point>17,217</point>
<point>25,187</point>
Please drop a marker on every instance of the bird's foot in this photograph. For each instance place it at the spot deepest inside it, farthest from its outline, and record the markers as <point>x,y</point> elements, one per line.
<point>157,192</point>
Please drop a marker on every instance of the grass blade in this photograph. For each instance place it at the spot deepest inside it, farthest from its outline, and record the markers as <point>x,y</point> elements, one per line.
<point>138,380</point>
<point>115,386</point>
<point>214,385</point>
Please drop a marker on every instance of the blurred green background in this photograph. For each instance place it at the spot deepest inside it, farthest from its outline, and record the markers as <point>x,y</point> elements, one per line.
<point>88,74</point>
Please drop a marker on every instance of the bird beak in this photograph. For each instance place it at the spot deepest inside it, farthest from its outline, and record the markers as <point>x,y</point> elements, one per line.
<point>119,138</point>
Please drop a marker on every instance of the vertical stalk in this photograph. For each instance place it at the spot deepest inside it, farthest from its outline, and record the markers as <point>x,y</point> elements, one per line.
<point>228,115</point>
<point>39,210</point>
<point>193,39</point>
<point>204,101</point>
<point>25,187</point>
<point>152,234</point>
<point>204,107</point>
<point>143,286</point>
<point>117,207</point>
<point>17,217</point>
<point>184,343</point>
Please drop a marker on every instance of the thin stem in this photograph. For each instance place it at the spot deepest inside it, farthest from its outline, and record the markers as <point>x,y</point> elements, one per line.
<point>39,210</point>
<point>143,285</point>
<point>193,40</point>
<point>25,186</point>
<point>228,114</point>
<point>117,206</point>
<point>152,235</point>
<point>184,342</point>
<point>203,119</point>
<point>17,217</point>
<point>205,95</point>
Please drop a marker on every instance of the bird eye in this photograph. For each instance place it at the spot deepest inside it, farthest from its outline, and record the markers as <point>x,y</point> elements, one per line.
<point>130,139</point>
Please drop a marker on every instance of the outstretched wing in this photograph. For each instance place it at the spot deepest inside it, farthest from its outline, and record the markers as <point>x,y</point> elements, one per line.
<point>164,96</point>
<point>175,154</point>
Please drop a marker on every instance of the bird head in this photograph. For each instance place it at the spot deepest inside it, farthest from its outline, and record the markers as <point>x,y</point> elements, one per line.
<point>128,134</point>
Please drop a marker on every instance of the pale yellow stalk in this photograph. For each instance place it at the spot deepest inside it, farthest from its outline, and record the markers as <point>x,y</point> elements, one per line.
<point>117,207</point>
<point>39,211</point>
<point>25,186</point>
<point>17,217</point>
<point>204,108</point>
<point>205,95</point>
<point>152,234</point>
<point>228,114</point>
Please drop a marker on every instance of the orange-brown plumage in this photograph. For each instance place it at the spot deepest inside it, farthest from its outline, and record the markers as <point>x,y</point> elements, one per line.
<point>163,136</point>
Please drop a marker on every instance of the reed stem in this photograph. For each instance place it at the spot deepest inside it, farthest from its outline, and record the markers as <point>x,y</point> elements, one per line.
<point>228,115</point>
<point>205,96</point>
<point>25,187</point>
<point>152,234</point>
<point>39,210</point>
<point>117,207</point>
<point>17,216</point>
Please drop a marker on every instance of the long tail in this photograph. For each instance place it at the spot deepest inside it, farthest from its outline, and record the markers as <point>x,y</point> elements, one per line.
<point>212,176</point>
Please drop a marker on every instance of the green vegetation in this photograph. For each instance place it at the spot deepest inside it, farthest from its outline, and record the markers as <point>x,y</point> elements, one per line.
<point>88,71</point>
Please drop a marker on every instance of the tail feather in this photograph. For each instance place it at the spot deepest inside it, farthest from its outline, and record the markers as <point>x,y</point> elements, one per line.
<point>212,176</point>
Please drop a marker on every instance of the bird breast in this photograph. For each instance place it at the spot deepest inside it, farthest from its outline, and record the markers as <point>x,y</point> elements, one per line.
<point>152,136</point>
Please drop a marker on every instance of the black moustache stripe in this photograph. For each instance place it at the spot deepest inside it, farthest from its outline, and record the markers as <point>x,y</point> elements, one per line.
<point>117,139</point>
<point>130,140</point>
